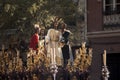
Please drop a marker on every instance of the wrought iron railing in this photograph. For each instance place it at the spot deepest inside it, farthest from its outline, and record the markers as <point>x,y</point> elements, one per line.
<point>111,22</point>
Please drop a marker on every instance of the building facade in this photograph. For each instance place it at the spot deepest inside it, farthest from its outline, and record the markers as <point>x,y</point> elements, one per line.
<point>103,33</point>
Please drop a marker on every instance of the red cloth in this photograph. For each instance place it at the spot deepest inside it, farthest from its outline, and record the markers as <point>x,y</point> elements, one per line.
<point>34,42</point>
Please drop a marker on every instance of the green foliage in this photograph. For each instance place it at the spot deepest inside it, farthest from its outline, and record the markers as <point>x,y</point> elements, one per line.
<point>24,13</point>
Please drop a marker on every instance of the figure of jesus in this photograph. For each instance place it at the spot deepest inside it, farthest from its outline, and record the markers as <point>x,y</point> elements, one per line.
<point>52,39</point>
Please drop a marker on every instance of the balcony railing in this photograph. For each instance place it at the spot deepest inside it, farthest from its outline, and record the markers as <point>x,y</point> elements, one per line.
<point>111,21</point>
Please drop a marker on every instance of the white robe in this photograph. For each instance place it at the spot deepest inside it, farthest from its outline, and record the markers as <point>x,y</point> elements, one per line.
<point>53,52</point>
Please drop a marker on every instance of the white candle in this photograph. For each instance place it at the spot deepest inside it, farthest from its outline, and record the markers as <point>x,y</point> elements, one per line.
<point>104,58</point>
<point>3,47</point>
<point>51,55</point>
<point>54,56</point>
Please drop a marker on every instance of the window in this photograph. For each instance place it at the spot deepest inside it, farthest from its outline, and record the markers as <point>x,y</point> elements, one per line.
<point>118,6</point>
<point>111,7</point>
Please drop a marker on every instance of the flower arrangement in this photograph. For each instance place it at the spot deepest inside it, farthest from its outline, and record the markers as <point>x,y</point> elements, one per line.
<point>39,64</point>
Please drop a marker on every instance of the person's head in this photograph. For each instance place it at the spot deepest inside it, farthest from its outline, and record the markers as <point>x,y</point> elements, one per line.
<point>37,28</point>
<point>55,25</point>
<point>63,26</point>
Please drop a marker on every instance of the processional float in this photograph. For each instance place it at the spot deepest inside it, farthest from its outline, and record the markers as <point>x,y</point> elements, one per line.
<point>39,63</point>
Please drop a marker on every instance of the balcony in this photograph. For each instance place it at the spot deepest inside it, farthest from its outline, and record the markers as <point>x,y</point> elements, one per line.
<point>111,22</point>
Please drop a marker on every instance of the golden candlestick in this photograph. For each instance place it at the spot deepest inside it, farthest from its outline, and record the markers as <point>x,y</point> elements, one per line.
<point>105,71</point>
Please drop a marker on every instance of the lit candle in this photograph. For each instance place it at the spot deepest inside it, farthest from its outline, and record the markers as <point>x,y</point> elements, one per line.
<point>104,58</point>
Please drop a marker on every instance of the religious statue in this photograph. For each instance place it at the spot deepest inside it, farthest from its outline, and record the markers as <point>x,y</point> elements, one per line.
<point>52,39</point>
